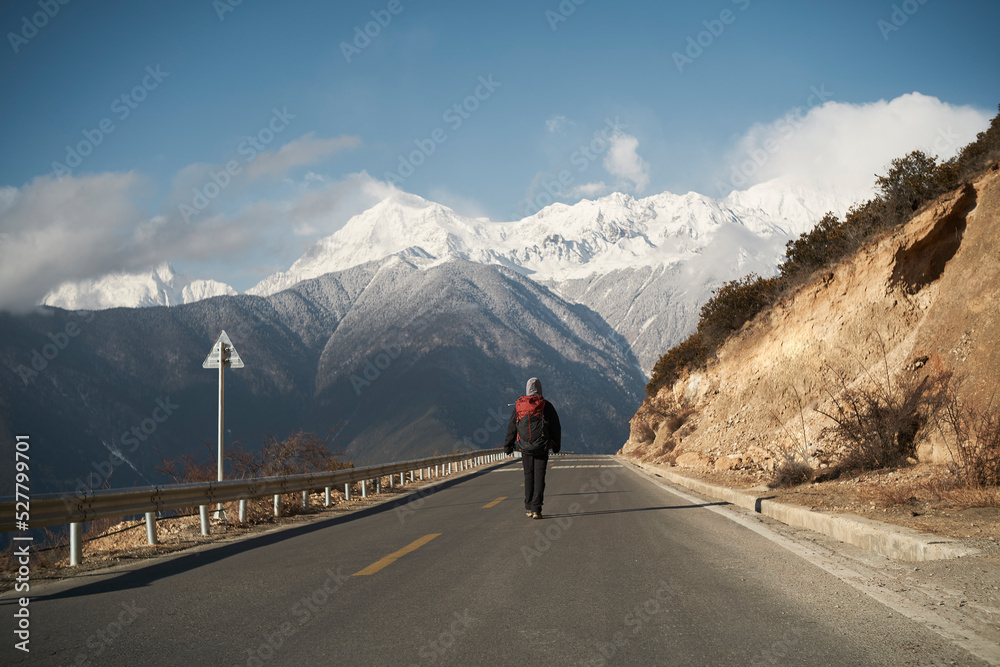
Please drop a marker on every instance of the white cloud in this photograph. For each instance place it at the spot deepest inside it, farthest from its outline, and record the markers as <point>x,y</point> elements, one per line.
<point>840,146</point>
<point>54,230</point>
<point>318,207</point>
<point>591,190</point>
<point>305,151</point>
<point>556,124</point>
<point>194,180</point>
<point>622,161</point>
<point>80,227</point>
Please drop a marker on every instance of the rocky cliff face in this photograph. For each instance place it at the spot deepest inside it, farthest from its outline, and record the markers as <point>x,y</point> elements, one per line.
<point>922,302</point>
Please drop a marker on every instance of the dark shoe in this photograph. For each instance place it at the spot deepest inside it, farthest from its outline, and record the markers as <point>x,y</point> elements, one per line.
<point>536,515</point>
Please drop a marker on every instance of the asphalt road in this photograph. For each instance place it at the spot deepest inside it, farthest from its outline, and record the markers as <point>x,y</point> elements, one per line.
<point>620,571</point>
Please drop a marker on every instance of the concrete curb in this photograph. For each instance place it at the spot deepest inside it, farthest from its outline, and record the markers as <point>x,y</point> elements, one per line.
<point>893,541</point>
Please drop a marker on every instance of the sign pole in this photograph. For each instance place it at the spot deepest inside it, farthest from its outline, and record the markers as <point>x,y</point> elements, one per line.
<point>223,361</point>
<point>221,355</point>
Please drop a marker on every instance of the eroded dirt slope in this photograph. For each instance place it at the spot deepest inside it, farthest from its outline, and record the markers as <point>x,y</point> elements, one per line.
<point>923,301</point>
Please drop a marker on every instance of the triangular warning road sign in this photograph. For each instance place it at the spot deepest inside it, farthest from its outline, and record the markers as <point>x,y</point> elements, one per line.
<point>223,346</point>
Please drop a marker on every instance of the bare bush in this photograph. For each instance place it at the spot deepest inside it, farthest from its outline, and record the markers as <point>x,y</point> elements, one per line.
<point>879,420</point>
<point>791,473</point>
<point>300,453</point>
<point>973,438</point>
<point>794,468</point>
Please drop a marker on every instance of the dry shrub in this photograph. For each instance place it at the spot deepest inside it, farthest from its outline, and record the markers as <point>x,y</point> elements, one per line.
<point>689,354</point>
<point>791,473</point>
<point>879,420</point>
<point>794,468</point>
<point>298,454</point>
<point>641,431</point>
<point>973,438</point>
<point>187,469</point>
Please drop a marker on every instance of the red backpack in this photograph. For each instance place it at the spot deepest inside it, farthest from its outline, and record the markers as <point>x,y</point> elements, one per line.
<point>532,430</point>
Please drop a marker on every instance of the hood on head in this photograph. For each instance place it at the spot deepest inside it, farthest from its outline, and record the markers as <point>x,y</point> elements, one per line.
<point>534,387</point>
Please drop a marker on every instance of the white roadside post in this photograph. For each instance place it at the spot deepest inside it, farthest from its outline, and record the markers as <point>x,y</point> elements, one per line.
<point>221,355</point>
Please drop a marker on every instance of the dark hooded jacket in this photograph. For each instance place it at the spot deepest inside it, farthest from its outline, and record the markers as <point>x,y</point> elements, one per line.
<point>534,388</point>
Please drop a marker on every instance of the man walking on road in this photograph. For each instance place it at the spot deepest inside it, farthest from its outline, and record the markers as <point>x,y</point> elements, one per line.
<point>534,427</point>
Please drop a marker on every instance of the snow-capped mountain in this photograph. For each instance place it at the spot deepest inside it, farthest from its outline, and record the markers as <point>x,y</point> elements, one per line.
<point>157,287</point>
<point>563,242</point>
<point>646,265</point>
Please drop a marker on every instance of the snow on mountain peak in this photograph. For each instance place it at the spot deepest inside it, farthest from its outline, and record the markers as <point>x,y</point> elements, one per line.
<point>560,242</point>
<point>564,241</point>
<point>160,286</point>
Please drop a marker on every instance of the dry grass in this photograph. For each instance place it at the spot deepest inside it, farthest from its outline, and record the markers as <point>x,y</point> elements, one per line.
<point>959,496</point>
<point>945,491</point>
<point>887,495</point>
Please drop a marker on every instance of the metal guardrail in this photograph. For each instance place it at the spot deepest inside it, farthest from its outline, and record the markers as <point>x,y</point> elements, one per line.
<point>75,509</point>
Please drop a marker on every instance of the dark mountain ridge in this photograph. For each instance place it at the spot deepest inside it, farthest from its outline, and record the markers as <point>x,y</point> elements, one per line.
<point>405,361</point>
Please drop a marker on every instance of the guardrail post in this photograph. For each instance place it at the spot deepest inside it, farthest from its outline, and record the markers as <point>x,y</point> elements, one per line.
<point>243,510</point>
<point>75,543</point>
<point>151,527</point>
<point>326,497</point>
<point>305,499</point>
<point>421,474</point>
<point>347,491</point>
<point>392,481</point>
<point>277,504</point>
<point>378,484</point>
<point>411,475</point>
<point>364,491</point>
<point>203,513</point>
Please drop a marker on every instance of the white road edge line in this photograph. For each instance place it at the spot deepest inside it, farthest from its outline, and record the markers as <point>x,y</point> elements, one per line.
<point>857,578</point>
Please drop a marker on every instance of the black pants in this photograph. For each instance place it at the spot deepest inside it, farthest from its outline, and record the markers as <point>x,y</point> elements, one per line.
<point>534,480</point>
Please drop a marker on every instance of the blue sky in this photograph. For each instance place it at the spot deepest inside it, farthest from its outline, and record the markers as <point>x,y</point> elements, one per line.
<point>555,74</point>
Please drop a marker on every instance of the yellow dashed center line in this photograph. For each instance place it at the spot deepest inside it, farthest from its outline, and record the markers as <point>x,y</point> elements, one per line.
<point>494,502</point>
<point>393,557</point>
